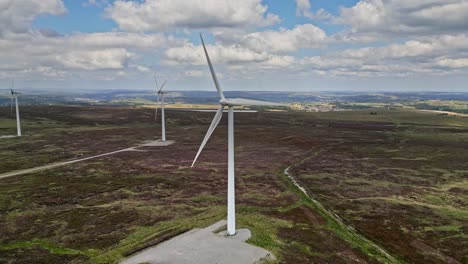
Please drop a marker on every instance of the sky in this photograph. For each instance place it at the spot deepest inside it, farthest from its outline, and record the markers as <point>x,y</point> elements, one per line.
<point>256,45</point>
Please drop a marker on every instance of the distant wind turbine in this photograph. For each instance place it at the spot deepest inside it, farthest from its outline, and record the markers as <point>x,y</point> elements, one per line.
<point>14,95</point>
<point>230,103</point>
<point>161,102</point>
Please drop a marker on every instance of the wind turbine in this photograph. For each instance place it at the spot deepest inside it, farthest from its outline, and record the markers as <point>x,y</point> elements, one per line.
<point>230,103</point>
<point>18,123</point>
<point>161,101</point>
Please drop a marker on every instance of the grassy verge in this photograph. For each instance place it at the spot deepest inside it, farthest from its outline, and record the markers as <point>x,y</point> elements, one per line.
<point>264,231</point>
<point>53,248</point>
<point>347,233</point>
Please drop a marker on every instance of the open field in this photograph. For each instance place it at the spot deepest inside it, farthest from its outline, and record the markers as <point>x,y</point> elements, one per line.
<point>101,210</point>
<point>398,177</point>
<point>404,183</point>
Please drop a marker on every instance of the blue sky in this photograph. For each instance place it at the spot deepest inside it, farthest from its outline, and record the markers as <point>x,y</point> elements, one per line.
<point>293,45</point>
<point>90,18</point>
<point>77,19</point>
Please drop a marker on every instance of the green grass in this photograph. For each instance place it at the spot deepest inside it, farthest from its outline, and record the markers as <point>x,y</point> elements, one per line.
<point>445,228</point>
<point>460,184</point>
<point>264,230</point>
<point>51,247</point>
<point>453,213</point>
<point>307,251</point>
<point>7,122</point>
<point>207,198</point>
<point>434,199</point>
<point>397,117</point>
<point>431,136</point>
<point>344,232</point>
<point>292,206</point>
<point>446,211</point>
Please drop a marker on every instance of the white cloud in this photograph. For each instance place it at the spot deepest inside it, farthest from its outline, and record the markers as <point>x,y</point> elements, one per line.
<point>453,63</point>
<point>117,39</point>
<point>48,54</point>
<point>96,3</point>
<point>142,69</point>
<point>16,15</point>
<point>405,17</point>
<point>277,41</point>
<point>34,55</point>
<point>108,59</point>
<point>157,15</point>
<point>230,61</point>
<point>428,55</point>
<point>303,8</point>
<point>194,73</point>
<point>302,36</point>
<point>429,47</point>
<point>44,54</point>
<point>191,54</point>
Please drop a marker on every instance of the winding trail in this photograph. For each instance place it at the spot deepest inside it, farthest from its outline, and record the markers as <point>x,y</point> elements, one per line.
<point>385,256</point>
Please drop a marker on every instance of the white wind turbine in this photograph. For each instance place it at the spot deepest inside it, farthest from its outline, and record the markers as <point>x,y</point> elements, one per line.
<point>230,103</point>
<point>14,95</point>
<point>161,101</point>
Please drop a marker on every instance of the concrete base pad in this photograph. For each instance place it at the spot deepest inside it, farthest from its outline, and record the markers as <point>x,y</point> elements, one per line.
<point>203,246</point>
<point>158,143</point>
<point>242,235</point>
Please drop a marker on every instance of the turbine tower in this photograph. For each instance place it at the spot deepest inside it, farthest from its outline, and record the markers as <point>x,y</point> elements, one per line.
<point>230,103</point>
<point>14,95</point>
<point>161,101</point>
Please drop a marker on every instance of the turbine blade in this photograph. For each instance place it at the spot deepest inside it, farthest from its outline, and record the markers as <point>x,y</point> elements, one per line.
<point>162,86</point>
<point>213,74</point>
<point>156,81</point>
<point>247,102</point>
<point>214,124</point>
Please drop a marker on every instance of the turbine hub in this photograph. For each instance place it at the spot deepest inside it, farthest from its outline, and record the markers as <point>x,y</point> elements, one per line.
<point>223,102</point>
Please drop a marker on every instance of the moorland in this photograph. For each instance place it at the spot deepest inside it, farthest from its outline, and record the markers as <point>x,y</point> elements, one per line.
<point>383,186</point>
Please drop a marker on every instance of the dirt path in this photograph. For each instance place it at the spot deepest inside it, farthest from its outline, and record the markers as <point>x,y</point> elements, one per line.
<point>8,136</point>
<point>350,232</point>
<point>58,164</point>
<point>156,143</point>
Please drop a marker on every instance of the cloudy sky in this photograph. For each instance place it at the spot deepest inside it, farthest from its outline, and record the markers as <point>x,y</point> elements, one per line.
<point>287,45</point>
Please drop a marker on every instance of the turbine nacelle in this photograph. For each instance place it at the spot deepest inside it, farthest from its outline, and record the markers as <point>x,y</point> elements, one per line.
<point>13,93</point>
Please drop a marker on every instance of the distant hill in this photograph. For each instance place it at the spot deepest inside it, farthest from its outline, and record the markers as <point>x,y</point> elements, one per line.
<point>141,97</point>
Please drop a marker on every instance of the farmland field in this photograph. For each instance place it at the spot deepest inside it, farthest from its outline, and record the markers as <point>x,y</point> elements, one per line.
<point>399,178</point>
